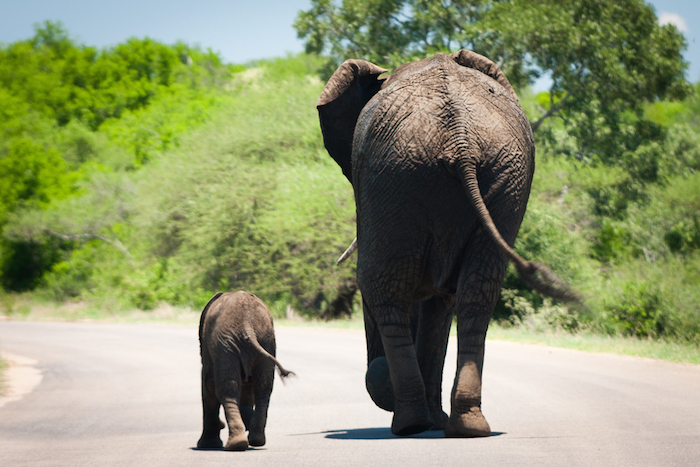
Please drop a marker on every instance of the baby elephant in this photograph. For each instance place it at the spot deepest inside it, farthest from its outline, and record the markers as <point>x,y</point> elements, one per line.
<point>237,344</point>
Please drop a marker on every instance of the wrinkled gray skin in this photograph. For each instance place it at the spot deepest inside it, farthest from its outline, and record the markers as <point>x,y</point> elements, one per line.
<point>237,344</point>
<point>441,158</point>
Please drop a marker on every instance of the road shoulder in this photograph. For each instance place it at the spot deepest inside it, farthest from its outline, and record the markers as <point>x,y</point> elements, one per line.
<point>20,377</point>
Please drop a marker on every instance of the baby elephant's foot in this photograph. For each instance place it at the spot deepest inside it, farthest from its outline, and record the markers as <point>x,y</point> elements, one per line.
<point>256,439</point>
<point>471,424</point>
<point>210,442</point>
<point>238,442</point>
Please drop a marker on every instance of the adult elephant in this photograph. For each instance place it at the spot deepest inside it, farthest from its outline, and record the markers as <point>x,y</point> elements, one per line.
<point>441,158</point>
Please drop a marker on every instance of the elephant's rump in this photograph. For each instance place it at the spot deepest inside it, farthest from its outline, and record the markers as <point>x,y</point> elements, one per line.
<point>414,218</point>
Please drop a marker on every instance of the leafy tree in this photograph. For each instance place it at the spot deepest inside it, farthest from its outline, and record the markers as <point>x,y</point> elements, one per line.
<point>390,32</point>
<point>604,57</point>
<point>66,81</point>
<point>32,176</point>
<point>606,60</point>
<point>55,97</point>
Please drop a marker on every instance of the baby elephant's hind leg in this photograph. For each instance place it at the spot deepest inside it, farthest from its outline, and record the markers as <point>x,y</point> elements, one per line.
<point>228,390</point>
<point>263,389</point>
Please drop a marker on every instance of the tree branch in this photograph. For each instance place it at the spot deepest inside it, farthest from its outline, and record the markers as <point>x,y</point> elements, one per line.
<point>91,236</point>
<point>553,109</point>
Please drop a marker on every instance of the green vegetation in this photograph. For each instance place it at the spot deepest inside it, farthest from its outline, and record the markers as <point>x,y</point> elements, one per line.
<point>630,247</point>
<point>530,333</point>
<point>72,115</point>
<point>208,186</point>
<point>149,177</point>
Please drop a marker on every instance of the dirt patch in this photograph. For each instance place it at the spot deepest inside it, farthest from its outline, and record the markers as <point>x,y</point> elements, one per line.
<point>20,377</point>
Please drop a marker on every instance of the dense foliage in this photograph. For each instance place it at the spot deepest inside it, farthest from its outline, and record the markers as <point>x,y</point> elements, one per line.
<point>217,179</point>
<point>247,199</point>
<point>68,110</point>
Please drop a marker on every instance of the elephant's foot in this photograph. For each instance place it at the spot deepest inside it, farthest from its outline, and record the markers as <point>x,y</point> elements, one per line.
<point>439,418</point>
<point>256,439</point>
<point>378,384</point>
<point>210,436</point>
<point>470,424</point>
<point>237,442</point>
<point>210,442</point>
<point>410,422</point>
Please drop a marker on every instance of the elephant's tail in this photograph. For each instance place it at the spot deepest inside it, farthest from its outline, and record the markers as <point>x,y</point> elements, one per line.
<point>250,334</point>
<point>537,275</point>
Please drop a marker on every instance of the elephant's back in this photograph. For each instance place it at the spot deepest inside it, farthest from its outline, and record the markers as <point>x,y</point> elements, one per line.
<point>231,314</point>
<point>429,109</point>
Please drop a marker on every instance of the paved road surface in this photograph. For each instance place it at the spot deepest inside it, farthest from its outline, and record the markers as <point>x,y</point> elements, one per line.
<point>123,395</point>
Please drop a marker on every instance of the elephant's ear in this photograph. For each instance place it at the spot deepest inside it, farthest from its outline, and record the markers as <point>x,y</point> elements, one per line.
<point>478,62</point>
<point>352,85</point>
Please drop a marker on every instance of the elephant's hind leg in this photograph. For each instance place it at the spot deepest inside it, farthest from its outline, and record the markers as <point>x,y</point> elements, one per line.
<point>411,413</point>
<point>479,285</point>
<point>228,390</point>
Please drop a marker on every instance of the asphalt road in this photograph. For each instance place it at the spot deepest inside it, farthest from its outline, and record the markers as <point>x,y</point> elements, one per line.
<point>128,395</point>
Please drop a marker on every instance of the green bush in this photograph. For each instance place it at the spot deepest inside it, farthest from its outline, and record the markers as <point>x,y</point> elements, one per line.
<point>685,235</point>
<point>650,300</point>
<point>639,311</point>
<point>613,241</point>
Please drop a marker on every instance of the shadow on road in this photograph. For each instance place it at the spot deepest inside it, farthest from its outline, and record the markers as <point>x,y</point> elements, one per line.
<point>250,448</point>
<point>383,433</point>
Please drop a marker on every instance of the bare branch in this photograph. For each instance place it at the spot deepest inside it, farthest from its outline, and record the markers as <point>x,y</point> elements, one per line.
<point>91,236</point>
<point>553,109</point>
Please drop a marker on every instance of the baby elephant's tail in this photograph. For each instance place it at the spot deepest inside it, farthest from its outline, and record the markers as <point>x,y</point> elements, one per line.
<point>282,372</point>
<point>261,350</point>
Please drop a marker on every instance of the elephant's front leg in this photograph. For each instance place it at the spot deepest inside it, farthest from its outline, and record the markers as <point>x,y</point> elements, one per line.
<point>377,379</point>
<point>411,413</point>
<point>247,403</point>
<point>210,405</point>
<point>263,389</point>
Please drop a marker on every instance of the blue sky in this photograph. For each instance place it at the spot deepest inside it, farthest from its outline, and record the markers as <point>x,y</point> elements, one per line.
<point>241,30</point>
